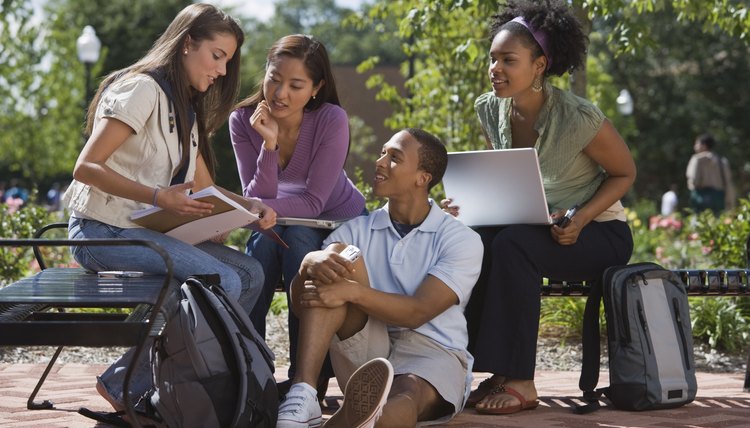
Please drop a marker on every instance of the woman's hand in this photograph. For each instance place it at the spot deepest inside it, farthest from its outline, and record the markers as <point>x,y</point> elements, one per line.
<point>174,199</point>
<point>266,125</point>
<point>445,204</point>
<point>567,235</point>
<point>267,214</point>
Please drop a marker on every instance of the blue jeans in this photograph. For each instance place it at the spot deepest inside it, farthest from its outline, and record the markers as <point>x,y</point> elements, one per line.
<point>282,264</point>
<point>241,277</point>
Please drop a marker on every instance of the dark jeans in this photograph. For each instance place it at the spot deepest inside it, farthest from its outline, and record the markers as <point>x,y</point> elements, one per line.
<point>280,264</point>
<point>503,311</point>
<point>707,198</point>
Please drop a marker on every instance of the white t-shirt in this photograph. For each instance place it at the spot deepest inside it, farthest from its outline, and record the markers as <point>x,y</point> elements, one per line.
<point>668,203</point>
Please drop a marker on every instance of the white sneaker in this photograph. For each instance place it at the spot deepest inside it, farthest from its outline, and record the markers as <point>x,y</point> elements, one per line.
<point>300,408</point>
<point>365,395</point>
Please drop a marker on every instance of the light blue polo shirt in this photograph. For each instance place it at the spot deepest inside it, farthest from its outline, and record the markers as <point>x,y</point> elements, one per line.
<point>441,246</point>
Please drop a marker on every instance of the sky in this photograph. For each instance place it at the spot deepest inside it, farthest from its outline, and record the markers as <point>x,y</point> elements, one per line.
<point>259,9</point>
<point>263,9</point>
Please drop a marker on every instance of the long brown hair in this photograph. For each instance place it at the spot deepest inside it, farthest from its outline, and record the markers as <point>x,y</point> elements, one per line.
<point>315,57</point>
<point>198,22</point>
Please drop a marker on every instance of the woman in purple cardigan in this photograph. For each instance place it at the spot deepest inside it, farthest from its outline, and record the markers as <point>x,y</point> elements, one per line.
<point>291,139</point>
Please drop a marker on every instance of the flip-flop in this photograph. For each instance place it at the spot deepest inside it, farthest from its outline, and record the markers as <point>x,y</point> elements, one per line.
<point>484,389</point>
<point>522,405</point>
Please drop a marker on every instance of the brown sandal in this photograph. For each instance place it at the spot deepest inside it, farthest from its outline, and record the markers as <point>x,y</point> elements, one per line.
<point>484,389</point>
<point>523,404</point>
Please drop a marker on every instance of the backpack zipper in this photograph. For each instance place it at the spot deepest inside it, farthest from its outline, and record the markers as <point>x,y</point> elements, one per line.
<point>625,333</point>
<point>644,325</point>
<point>678,317</point>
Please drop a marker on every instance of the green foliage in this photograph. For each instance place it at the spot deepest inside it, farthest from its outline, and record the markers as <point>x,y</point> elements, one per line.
<point>237,239</point>
<point>40,96</point>
<point>724,238</point>
<point>720,323</point>
<point>279,303</point>
<point>445,46</point>
<point>127,29</point>
<point>42,88</point>
<point>22,223</point>
<point>563,317</point>
<point>678,95</point>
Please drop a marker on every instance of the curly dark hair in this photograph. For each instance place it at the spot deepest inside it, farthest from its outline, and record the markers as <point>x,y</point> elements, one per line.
<point>567,42</point>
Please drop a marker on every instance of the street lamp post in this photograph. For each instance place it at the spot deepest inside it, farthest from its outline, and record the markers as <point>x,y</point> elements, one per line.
<point>88,47</point>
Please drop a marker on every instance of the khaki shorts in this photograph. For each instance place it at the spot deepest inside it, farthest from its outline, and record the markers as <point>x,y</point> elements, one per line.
<point>408,352</point>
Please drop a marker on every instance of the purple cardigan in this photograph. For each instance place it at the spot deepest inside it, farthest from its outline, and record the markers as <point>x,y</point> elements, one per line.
<point>313,184</point>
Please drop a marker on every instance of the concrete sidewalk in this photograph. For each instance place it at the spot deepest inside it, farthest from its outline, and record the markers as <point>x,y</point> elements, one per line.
<point>720,403</point>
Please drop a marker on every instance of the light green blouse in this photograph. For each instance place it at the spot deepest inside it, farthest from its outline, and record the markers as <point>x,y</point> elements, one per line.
<point>566,125</point>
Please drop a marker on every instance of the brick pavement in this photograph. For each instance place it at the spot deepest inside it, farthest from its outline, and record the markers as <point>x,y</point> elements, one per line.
<point>720,403</point>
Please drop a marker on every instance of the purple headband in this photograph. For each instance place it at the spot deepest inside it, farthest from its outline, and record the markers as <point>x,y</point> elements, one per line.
<point>540,37</point>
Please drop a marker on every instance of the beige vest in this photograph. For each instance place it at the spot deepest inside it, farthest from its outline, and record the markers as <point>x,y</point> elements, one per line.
<point>150,156</point>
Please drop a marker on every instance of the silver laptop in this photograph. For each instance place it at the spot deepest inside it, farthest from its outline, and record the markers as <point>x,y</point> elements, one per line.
<point>309,222</point>
<point>497,187</point>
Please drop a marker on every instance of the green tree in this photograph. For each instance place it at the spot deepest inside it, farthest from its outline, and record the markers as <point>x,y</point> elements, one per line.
<point>445,42</point>
<point>42,88</point>
<point>683,83</point>
<point>127,29</point>
<point>40,95</point>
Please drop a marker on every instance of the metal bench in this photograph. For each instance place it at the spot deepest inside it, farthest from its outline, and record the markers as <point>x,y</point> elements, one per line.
<point>48,308</point>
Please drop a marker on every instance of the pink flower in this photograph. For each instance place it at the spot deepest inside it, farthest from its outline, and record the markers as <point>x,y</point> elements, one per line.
<point>13,204</point>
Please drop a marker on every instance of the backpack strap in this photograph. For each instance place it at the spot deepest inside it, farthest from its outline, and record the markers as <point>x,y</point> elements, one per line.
<point>160,77</point>
<point>117,419</point>
<point>590,360</point>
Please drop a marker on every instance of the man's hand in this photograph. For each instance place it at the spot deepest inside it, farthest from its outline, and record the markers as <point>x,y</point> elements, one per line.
<point>332,295</point>
<point>326,266</point>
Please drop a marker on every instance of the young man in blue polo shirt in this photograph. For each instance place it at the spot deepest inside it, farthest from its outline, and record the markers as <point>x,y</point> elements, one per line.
<point>393,319</point>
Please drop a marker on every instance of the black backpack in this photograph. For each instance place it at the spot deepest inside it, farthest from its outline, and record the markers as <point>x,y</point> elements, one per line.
<point>649,338</point>
<point>210,367</point>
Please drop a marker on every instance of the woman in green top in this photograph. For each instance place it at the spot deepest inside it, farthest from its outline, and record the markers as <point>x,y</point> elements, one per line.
<point>583,161</point>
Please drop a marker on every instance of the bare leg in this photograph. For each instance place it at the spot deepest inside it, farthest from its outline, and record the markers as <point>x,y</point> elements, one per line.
<point>318,325</point>
<point>412,399</point>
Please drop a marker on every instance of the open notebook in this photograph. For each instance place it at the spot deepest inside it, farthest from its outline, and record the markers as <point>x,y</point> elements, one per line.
<point>497,187</point>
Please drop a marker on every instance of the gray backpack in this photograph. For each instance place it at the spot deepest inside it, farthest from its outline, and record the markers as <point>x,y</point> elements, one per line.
<point>649,336</point>
<point>210,366</point>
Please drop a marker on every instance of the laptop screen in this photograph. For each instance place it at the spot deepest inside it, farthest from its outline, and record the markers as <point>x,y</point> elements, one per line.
<point>497,187</point>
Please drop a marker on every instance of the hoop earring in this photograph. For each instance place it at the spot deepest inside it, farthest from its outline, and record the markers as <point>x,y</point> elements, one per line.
<point>537,85</point>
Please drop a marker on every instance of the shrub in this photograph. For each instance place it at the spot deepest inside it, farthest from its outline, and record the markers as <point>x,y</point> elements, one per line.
<point>19,223</point>
<point>720,323</point>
